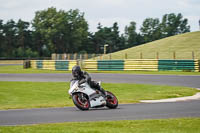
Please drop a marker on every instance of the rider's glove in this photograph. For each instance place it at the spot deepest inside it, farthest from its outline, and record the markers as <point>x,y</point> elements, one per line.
<point>81,82</point>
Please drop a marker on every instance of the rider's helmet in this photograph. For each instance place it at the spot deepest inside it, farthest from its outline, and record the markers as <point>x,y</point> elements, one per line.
<point>76,71</point>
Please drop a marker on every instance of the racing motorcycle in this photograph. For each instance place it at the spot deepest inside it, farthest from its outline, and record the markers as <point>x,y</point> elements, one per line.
<point>85,97</point>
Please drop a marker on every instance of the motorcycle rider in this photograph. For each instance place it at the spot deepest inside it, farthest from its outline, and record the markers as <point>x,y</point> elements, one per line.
<point>83,77</point>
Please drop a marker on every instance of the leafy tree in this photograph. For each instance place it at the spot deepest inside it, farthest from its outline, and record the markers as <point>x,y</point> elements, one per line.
<point>107,35</point>
<point>115,37</point>
<point>19,52</point>
<point>30,54</point>
<point>23,36</point>
<point>140,39</point>
<point>171,25</point>
<point>174,24</point>
<point>44,27</point>
<point>150,29</point>
<point>131,35</point>
<point>1,38</point>
<point>16,39</point>
<point>62,31</point>
<point>98,38</point>
<point>78,30</point>
<point>39,44</point>
<point>56,31</point>
<point>9,32</point>
<point>89,44</point>
<point>122,44</point>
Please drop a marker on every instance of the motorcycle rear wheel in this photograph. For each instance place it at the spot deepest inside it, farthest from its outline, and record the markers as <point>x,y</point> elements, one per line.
<point>81,101</point>
<point>111,101</point>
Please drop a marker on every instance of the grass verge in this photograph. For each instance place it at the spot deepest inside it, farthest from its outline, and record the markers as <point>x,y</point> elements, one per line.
<point>15,95</point>
<point>181,125</point>
<point>19,69</point>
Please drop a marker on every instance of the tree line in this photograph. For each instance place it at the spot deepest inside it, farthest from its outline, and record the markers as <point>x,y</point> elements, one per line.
<point>59,31</point>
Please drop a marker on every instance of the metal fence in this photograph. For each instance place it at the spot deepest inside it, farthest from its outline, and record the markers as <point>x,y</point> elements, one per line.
<point>113,56</point>
<point>136,55</point>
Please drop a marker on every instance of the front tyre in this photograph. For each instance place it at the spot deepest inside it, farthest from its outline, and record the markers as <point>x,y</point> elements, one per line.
<point>81,101</point>
<point>111,101</point>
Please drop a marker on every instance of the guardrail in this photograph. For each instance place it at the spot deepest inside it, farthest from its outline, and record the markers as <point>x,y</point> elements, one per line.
<point>143,65</point>
<point>178,65</point>
<point>120,65</point>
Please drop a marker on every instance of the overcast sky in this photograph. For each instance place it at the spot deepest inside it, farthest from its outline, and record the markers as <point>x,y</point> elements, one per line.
<point>105,11</point>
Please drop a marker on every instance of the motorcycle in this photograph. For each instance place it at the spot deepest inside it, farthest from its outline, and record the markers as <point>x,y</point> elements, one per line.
<point>85,97</point>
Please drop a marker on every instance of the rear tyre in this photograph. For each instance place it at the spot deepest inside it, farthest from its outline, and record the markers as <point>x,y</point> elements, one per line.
<point>81,101</point>
<point>111,100</point>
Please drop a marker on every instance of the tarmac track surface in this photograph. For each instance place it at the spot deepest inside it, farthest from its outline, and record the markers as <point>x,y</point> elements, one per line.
<point>123,112</point>
<point>175,80</point>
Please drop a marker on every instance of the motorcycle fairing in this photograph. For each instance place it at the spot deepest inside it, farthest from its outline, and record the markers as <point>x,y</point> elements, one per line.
<point>94,98</point>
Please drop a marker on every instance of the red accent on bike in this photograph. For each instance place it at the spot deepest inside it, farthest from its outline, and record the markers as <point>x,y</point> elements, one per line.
<point>83,104</point>
<point>111,99</point>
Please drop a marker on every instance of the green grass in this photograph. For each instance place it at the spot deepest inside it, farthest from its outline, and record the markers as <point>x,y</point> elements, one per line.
<point>19,69</point>
<point>17,95</point>
<point>181,125</point>
<point>11,62</point>
<point>183,44</point>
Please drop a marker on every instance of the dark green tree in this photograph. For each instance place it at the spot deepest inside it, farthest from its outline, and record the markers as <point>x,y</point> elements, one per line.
<point>1,38</point>
<point>9,32</point>
<point>107,35</point>
<point>150,29</point>
<point>23,39</point>
<point>39,44</point>
<point>131,35</point>
<point>62,32</point>
<point>173,24</point>
<point>89,45</point>
<point>115,38</point>
<point>99,39</point>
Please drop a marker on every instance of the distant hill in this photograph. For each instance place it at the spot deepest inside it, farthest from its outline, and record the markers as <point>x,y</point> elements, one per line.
<point>181,46</point>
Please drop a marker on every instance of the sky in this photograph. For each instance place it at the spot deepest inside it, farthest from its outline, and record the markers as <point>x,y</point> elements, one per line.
<point>106,11</point>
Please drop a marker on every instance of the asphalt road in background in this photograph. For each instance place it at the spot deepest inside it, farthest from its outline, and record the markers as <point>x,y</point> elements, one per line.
<point>174,80</point>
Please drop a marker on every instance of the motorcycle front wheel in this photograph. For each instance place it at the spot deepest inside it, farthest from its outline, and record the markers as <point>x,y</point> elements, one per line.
<point>111,100</point>
<point>81,101</point>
